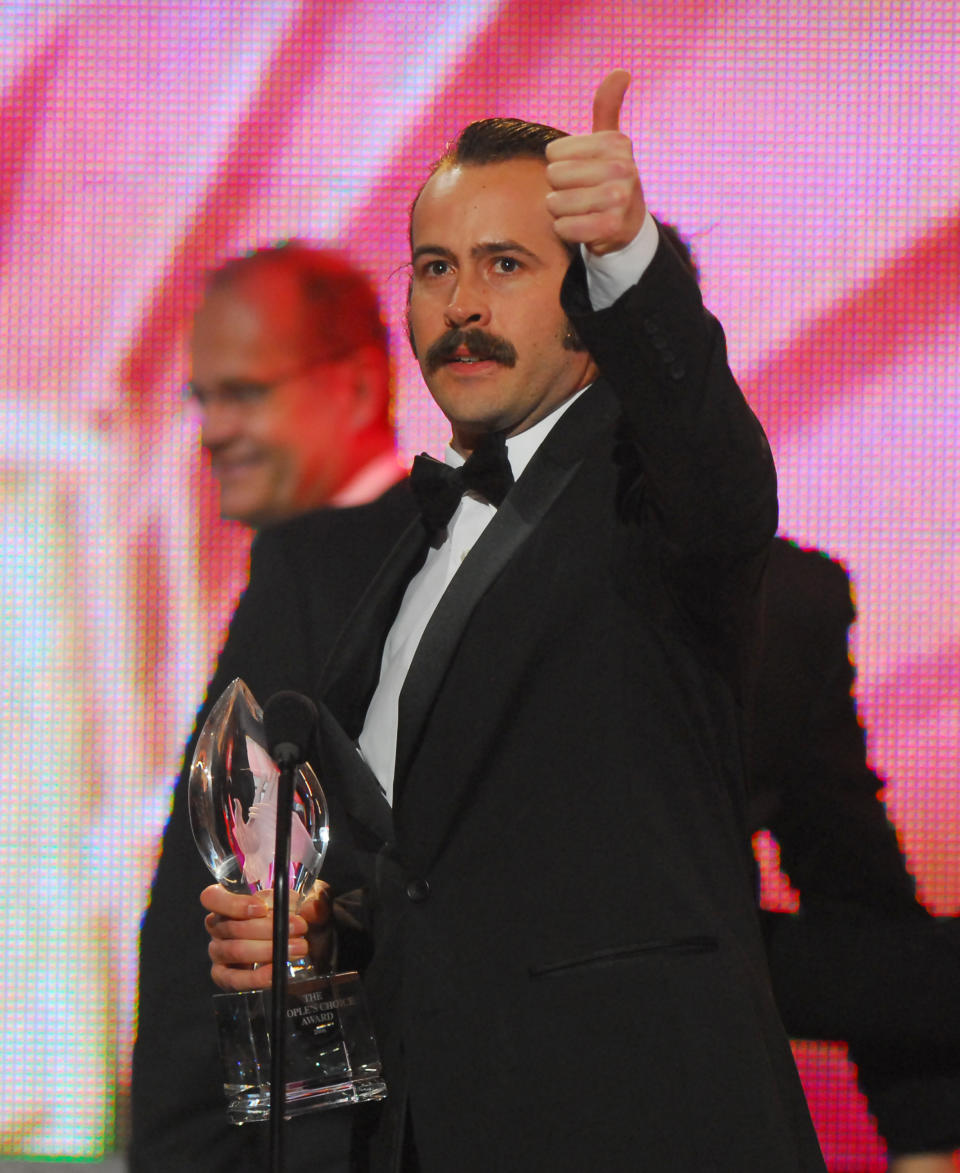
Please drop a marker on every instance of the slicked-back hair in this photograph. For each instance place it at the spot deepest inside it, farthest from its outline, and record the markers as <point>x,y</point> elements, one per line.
<point>493,140</point>
<point>342,307</point>
<point>497,140</point>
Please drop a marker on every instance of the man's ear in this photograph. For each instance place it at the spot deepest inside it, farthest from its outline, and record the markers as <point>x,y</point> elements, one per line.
<point>408,330</point>
<point>370,386</point>
<point>406,322</point>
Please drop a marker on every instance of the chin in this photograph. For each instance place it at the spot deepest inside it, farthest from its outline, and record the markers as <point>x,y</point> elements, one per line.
<point>244,508</point>
<point>477,411</point>
<point>479,424</point>
<point>251,517</point>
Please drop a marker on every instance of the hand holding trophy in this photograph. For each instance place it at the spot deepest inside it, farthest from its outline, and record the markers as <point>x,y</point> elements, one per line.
<point>328,1051</point>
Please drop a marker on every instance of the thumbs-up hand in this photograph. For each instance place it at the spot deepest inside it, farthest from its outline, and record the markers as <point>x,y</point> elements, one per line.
<point>597,199</point>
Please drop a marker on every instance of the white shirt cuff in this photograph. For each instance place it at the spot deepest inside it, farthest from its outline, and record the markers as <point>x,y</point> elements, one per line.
<point>610,276</point>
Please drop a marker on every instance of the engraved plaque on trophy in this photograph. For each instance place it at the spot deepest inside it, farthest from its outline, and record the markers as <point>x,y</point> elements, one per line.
<point>330,1054</point>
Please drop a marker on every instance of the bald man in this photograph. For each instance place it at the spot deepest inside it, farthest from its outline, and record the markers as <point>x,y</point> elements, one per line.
<point>291,381</point>
<point>290,377</point>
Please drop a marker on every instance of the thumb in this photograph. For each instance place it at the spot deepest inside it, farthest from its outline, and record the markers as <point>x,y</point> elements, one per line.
<point>608,99</point>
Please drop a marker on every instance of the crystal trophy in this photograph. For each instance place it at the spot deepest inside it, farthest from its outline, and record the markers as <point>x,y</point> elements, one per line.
<point>330,1054</point>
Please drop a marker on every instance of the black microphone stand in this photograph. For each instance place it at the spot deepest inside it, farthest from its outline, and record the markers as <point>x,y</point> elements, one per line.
<point>290,721</point>
<point>281,916</point>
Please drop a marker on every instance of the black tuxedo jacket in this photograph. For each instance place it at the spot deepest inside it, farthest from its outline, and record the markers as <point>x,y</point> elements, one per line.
<point>178,1115</point>
<point>862,962</point>
<point>568,968</point>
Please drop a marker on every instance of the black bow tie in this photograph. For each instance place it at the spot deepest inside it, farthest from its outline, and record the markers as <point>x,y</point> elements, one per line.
<point>438,487</point>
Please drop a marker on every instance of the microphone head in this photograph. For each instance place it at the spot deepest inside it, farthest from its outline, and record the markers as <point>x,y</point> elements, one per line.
<point>289,720</point>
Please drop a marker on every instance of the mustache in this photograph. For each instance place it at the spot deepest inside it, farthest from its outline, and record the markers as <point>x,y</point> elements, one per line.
<point>478,344</point>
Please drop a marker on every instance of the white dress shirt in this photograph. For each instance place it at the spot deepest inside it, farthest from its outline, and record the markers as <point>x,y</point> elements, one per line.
<point>607,278</point>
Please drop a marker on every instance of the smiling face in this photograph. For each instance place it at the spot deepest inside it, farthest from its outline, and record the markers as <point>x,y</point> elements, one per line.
<point>276,421</point>
<point>485,319</point>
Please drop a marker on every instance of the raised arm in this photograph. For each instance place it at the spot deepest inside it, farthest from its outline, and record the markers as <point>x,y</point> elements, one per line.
<point>704,474</point>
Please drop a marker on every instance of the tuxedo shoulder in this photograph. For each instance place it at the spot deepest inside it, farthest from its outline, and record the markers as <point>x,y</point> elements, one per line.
<point>807,579</point>
<point>386,515</point>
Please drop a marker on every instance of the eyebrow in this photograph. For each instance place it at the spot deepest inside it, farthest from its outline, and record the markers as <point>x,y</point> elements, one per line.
<point>230,383</point>
<point>487,249</point>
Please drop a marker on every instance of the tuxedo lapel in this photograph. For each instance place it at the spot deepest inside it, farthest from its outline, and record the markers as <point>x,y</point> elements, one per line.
<point>549,472</point>
<point>346,774</point>
<point>353,667</point>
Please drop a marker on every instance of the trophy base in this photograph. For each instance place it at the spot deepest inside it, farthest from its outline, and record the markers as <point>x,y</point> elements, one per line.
<point>330,1054</point>
<point>251,1105</point>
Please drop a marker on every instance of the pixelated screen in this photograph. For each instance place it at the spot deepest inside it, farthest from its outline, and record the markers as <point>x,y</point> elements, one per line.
<point>811,151</point>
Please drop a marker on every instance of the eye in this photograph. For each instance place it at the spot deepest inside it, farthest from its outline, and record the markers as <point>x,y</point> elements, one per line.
<point>435,268</point>
<point>506,265</point>
<point>246,394</point>
<point>195,396</point>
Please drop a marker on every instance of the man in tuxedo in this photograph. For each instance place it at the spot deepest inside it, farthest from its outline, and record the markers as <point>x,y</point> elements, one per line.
<point>546,685</point>
<point>291,379</point>
<point>862,961</point>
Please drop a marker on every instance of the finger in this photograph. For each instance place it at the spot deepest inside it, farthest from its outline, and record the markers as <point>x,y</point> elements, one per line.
<point>608,100</point>
<point>227,928</point>
<point>580,200</point>
<point>237,905</point>
<point>237,980</point>
<point>316,910</point>
<point>591,228</point>
<point>606,146</point>
<point>242,953</point>
<point>587,172</point>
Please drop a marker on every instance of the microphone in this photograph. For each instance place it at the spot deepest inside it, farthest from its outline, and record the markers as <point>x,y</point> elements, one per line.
<point>289,720</point>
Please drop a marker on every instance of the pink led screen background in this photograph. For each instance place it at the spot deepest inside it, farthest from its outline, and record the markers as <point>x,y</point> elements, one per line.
<point>812,151</point>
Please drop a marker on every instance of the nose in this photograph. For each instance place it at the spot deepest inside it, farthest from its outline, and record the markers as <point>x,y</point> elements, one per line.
<point>219,422</point>
<point>466,308</point>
